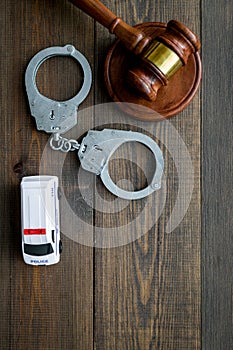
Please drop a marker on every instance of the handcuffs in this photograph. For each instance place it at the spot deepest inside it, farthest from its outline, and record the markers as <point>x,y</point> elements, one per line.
<point>97,147</point>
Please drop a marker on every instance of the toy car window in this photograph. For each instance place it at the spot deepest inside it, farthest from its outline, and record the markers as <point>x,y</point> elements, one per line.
<point>38,250</point>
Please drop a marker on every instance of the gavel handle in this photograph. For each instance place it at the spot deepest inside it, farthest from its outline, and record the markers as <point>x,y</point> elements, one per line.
<point>134,39</point>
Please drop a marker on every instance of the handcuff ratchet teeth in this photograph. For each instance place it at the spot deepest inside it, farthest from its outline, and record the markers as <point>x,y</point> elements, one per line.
<point>98,147</point>
<point>55,116</point>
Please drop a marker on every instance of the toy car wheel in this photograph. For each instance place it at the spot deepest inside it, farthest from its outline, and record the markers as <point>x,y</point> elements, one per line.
<point>60,247</point>
<point>59,193</point>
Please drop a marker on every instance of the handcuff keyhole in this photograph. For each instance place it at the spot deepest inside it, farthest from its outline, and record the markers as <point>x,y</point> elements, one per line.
<point>52,116</point>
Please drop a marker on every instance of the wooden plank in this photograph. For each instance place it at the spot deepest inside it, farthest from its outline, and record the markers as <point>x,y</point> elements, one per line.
<point>147,293</point>
<point>44,307</point>
<point>217,175</point>
<point>6,194</point>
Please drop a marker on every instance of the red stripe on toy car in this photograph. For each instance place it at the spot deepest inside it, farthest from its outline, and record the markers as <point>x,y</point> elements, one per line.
<point>34,231</point>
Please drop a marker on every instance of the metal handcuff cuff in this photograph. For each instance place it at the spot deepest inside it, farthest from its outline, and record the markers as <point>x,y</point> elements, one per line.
<point>97,147</point>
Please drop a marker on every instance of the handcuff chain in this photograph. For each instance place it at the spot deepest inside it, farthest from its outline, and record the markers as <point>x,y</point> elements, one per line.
<point>63,144</point>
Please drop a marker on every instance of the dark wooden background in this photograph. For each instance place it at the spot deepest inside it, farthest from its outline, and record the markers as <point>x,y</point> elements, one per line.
<point>163,291</point>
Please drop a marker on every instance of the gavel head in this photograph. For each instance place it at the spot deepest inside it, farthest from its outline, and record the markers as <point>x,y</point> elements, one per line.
<point>163,58</point>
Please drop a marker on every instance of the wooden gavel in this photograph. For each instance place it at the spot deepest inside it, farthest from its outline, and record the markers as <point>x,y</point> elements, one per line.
<point>160,58</point>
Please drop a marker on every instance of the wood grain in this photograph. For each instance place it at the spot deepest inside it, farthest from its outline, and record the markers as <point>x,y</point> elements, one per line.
<point>133,38</point>
<point>217,247</point>
<point>148,292</point>
<point>47,307</point>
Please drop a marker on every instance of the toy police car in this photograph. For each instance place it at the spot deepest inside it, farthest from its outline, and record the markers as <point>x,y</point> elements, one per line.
<point>41,244</point>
